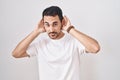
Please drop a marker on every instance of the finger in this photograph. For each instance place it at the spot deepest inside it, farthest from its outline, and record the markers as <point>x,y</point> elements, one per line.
<point>65,18</point>
<point>67,21</point>
<point>41,22</point>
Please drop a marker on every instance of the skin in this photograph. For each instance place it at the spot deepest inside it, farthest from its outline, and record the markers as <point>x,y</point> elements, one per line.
<point>53,26</point>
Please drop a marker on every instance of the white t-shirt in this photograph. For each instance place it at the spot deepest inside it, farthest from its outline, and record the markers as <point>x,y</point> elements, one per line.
<point>58,59</point>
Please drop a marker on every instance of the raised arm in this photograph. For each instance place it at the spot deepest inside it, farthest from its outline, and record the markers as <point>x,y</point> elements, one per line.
<point>91,45</point>
<point>20,50</point>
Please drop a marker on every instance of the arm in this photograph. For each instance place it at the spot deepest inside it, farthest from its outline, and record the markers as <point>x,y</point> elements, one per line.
<point>20,50</point>
<point>91,45</point>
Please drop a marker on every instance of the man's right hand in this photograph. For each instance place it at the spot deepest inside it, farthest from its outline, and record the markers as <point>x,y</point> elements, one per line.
<point>40,27</point>
<point>20,50</point>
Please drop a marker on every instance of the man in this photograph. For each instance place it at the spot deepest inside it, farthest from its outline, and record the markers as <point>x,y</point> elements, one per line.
<point>58,54</point>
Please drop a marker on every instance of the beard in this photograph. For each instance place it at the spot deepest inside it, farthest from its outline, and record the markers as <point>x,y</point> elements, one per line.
<point>54,35</point>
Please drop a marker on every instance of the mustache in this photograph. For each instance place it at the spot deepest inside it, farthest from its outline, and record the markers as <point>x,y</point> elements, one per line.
<point>52,33</point>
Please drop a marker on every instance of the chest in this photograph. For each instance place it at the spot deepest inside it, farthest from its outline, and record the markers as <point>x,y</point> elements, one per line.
<point>57,52</point>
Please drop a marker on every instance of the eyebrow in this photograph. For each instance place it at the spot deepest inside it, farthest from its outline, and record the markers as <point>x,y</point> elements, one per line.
<point>53,22</point>
<point>45,22</point>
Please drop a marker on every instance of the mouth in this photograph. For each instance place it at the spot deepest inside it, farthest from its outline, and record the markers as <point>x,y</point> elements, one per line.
<point>53,34</point>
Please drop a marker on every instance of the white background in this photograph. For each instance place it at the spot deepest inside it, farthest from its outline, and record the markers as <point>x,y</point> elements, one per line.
<point>97,18</point>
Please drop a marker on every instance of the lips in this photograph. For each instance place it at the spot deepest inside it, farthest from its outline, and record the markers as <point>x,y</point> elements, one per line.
<point>52,33</point>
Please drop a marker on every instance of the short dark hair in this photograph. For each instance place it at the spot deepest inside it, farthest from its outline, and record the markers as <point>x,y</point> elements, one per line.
<point>53,11</point>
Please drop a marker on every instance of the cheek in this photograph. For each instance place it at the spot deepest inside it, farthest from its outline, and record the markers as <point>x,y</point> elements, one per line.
<point>46,29</point>
<point>58,29</point>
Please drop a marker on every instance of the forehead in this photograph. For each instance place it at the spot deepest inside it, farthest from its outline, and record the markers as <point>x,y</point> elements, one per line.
<point>51,19</point>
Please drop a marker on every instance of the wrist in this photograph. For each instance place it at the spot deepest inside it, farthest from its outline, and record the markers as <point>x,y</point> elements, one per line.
<point>69,28</point>
<point>40,30</point>
<point>37,31</point>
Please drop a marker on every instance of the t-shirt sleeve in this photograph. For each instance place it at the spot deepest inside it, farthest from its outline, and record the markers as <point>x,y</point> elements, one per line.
<point>80,47</point>
<point>32,50</point>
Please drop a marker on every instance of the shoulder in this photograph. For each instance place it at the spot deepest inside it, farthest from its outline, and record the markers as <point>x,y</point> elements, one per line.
<point>41,39</point>
<point>69,37</point>
<point>72,39</point>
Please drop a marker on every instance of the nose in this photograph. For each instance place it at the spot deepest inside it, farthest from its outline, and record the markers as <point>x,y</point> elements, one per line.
<point>51,29</point>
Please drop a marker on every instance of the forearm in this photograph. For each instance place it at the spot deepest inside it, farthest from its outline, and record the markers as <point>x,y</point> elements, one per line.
<point>21,48</point>
<point>91,45</point>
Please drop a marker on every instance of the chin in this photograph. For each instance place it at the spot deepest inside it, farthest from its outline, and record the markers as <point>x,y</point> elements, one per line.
<point>53,37</point>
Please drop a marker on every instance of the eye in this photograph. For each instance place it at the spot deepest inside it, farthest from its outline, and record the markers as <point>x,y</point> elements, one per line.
<point>46,25</point>
<point>55,24</point>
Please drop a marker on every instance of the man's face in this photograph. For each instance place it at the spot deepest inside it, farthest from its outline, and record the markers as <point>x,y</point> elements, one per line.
<point>52,26</point>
